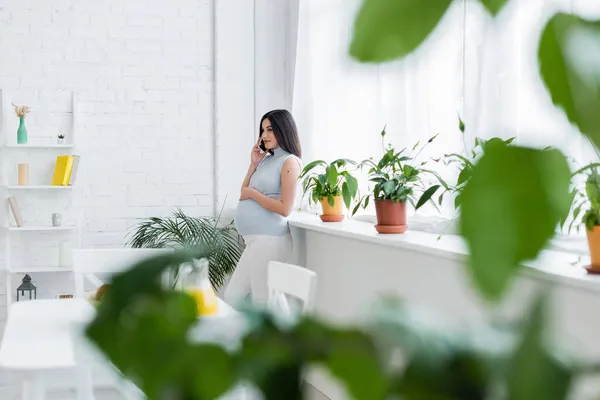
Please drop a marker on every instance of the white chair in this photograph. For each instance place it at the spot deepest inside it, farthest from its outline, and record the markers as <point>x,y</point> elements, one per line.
<point>87,264</point>
<point>290,280</point>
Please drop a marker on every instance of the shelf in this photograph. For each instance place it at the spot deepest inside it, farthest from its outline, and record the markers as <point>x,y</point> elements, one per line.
<point>38,269</point>
<point>38,187</point>
<point>41,228</point>
<point>40,146</point>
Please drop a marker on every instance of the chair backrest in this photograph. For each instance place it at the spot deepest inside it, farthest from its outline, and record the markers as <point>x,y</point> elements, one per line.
<point>88,262</point>
<point>291,280</point>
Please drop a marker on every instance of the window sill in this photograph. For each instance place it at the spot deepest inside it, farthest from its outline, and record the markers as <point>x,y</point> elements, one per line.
<point>557,266</point>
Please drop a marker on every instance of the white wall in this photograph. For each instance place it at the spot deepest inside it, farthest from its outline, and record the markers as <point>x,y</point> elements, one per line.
<point>438,284</point>
<point>144,73</point>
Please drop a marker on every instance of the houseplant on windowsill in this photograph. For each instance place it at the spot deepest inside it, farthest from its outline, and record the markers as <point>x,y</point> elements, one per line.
<point>466,163</point>
<point>332,185</point>
<point>398,178</point>
<point>587,197</point>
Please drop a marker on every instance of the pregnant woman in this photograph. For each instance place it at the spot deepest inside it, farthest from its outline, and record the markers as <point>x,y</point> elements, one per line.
<point>267,198</point>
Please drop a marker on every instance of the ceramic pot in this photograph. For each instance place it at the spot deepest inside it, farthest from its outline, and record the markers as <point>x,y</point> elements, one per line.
<point>332,214</point>
<point>391,217</point>
<point>593,237</point>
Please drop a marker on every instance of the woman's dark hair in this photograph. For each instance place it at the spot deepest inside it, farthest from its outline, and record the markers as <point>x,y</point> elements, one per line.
<point>284,129</point>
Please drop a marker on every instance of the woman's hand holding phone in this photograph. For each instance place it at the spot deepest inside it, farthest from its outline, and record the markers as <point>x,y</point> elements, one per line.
<point>257,153</point>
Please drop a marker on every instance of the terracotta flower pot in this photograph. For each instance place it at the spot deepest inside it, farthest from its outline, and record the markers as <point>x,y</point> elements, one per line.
<point>332,214</point>
<point>391,217</point>
<point>593,237</point>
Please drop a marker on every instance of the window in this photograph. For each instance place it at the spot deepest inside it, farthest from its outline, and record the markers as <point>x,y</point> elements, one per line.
<point>483,69</point>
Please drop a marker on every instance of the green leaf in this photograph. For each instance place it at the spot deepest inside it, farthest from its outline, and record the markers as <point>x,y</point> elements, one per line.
<point>509,211</point>
<point>426,196</point>
<point>457,200</point>
<point>493,6</point>
<point>332,176</point>
<point>385,30</point>
<point>571,199</point>
<point>346,195</point>
<point>218,373</point>
<point>461,125</point>
<point>353,359</point>
<point>389,187</point>
<point>464,175</point>
<point>534,372</point>
<point>571,76</point>
<point>352,184</point>
<point>331,200</point>
<point>310,166</point>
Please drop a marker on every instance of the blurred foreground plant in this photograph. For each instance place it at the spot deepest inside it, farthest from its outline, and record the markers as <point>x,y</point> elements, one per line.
<point>145,330</point>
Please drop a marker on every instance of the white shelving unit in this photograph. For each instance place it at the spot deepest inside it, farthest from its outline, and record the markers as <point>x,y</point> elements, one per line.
<point>34,150</point>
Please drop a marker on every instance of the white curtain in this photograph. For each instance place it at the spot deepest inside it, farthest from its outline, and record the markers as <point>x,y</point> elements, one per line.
<point>472,65</point>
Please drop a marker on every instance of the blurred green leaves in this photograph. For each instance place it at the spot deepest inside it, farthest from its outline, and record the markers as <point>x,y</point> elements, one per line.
<point>534,372</point>
<point>385,30</point>
<point>509,211</point>
<point>569,63</point>
<point>494,6</point>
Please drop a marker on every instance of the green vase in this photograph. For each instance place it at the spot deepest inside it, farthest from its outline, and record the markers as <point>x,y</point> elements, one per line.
<point>22,132</point>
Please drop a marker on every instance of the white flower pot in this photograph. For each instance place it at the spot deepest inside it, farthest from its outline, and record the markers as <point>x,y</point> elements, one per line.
<point>60,141</point>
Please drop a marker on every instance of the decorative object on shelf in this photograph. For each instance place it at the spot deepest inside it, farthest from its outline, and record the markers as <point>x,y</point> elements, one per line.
<point>333,187</point>
<point>16,212</point>
<point>60,139</point>
<point>56,219</point>
<point>23,174</point>
<point>396,176</point>
<point>64,254</point>
<point>62,170</point>
<point>21,112</point>
<point>64,296</point>
<point>27,286</point>
<point>224,245</point>
<point>74,169</point>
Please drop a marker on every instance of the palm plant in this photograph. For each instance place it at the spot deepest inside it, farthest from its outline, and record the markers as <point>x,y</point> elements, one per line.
<point>222,245</point>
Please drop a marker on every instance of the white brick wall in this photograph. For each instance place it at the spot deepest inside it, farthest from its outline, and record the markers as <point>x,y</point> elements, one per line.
<point>143,71</point>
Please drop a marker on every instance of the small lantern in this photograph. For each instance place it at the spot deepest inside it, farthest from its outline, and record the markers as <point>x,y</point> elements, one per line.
<point>27,286</point>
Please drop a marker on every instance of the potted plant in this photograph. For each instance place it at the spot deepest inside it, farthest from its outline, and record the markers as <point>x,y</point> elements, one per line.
<point>223,245</point>
<point>397,180</point>
<point>466,163</point>
<point>332,185</point>
<point>60,139</point>
<point>587,197</point>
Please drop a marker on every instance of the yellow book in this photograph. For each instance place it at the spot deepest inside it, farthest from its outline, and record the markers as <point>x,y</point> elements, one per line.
<point>62,170</point>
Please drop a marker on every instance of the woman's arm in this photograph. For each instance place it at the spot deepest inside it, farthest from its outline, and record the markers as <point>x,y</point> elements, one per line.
<point>289,181</point>
<point>251,170</point>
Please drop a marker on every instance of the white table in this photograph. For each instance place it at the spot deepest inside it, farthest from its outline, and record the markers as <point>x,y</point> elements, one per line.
<point>39,338</point>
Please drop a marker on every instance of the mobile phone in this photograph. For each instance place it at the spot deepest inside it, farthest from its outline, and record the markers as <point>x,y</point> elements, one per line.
<point>262,145</point>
